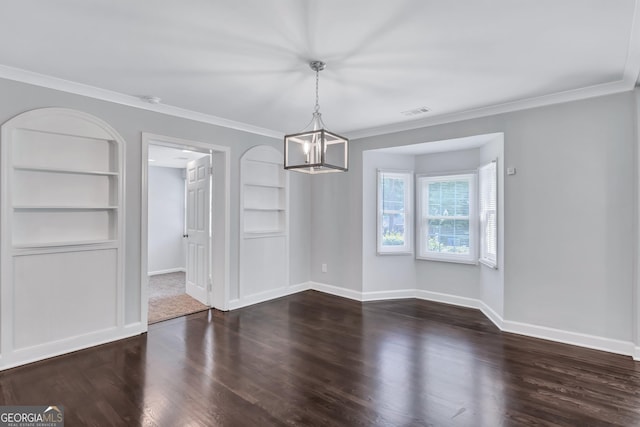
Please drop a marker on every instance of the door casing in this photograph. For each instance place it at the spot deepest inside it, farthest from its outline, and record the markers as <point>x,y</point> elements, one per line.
<point>221,225</point>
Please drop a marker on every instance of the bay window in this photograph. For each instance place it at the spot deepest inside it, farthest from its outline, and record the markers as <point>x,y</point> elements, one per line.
<point>395,219</point>
<point>447,217</point>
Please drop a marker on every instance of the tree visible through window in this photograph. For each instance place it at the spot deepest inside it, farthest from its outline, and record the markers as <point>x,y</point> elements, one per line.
<point>446,215</point>
<point>394,211</point>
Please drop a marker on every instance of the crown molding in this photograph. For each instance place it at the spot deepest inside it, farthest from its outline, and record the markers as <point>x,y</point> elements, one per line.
<point>508,107</point>
<point>42,80</point>
<point>630,77</point>
<point>627,83</point>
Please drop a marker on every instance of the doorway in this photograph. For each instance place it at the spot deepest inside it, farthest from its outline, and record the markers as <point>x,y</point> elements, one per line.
<point>185,227</point>
<point>179,183</point>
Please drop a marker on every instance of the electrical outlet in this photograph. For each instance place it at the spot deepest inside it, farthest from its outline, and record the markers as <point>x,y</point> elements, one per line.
<point>324,268</point>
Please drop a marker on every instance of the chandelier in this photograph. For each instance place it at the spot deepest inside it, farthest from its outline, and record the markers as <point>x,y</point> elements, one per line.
<point>315,149</point>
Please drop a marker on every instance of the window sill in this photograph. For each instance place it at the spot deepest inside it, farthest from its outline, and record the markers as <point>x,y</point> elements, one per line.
<point>451,260</point>
<point>487,263</point>
<point>394,253</point>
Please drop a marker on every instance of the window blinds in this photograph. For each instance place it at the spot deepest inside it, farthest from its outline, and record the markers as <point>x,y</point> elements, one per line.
<point>488,186</point>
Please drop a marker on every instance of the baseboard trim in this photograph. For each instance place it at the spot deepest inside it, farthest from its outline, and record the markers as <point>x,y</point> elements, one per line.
<point>336,290</point>
<point>135,328</point>
<point>625,348</point>
<point>491,315</point>
<point>267,296</point>
<point>169,270</point>
<point>567,337</point>
<point>448,299</point>
<point>69,345</point>
<point>388,295</point>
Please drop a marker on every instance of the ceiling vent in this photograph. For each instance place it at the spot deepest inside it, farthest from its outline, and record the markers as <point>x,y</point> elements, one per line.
<point>416,111</point>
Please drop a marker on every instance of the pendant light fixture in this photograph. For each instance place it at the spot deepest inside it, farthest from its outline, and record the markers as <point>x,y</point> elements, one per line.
<point>315,149</point>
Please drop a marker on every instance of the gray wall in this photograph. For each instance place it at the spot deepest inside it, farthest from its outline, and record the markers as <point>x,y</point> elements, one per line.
<point>404,272</point>
<point>166,219</point>
<point>300,228</point>
<point>446,277</point>
<point>336,224</point>
<point>130,123</point>
<point>382,272</point>
<point>492,281</point>
<point>569,213</point>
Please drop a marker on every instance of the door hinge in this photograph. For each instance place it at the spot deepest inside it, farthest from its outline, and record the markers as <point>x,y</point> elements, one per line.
<point>210,170</point>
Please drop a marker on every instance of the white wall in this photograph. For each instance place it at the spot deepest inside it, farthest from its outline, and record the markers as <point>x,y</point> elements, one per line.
<point>569,213</point>
<point>130,122</point>
<point>166,219</point>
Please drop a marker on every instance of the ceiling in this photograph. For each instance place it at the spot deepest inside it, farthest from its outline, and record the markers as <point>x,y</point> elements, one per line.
<point>244,63</point>
<point>160,155</point>
<point>446,145</point>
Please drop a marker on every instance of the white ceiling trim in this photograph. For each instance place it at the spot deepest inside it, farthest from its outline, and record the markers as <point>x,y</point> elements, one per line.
<point>37,79</point>
<point>541,101</point>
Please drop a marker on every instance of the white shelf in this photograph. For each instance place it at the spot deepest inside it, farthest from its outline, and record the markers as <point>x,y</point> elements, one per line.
<point>63,170</point>
<point>273,162</point>
<point>63,244</point>
<point>66,207</point>
<point>266,233</point>
<point>264,193</point>
<point>65,190</point>
<point>264,209</point>
<point>251,184</point>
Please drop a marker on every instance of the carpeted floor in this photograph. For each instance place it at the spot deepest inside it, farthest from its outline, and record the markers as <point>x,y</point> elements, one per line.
<point>167,298</point>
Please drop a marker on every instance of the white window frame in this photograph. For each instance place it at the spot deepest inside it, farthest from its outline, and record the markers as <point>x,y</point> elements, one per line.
<point>422,218</point>
<point>488,171</point>
<point>407,248</point>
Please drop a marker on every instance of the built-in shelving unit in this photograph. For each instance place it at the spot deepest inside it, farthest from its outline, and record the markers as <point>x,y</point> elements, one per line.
<point>264,192</point>
<point>64,189</point>
<point>264,230</point>
<point>62,226</point>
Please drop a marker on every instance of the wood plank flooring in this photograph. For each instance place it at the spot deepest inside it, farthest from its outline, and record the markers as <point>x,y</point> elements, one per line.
<point>314,359</point>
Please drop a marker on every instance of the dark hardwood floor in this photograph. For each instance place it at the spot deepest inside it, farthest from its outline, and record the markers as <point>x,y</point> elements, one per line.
<point>315,359</point>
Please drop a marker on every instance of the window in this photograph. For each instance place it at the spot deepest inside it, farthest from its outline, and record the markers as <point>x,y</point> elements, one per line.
<point>447,218</point>
<point>488,183</point>
<point>394,212</point>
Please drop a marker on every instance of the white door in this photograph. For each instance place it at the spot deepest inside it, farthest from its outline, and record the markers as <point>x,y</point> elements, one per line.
<point>198,184</point>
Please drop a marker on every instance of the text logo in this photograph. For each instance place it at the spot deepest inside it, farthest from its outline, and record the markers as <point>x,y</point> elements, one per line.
<point>32,416</point>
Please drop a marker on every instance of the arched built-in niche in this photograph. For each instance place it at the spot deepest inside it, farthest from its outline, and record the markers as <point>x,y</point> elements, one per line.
<point>62,234</point>
<point>264,226</point>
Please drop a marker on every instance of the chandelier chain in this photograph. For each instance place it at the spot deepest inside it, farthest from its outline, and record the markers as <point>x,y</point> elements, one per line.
<point>317,109</point>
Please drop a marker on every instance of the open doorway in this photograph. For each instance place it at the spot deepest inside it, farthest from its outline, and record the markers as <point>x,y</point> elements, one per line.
<point>205,218</point>
<point>179,224</point>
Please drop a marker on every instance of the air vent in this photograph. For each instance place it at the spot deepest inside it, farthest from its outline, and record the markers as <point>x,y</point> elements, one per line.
<point>416,111</point>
